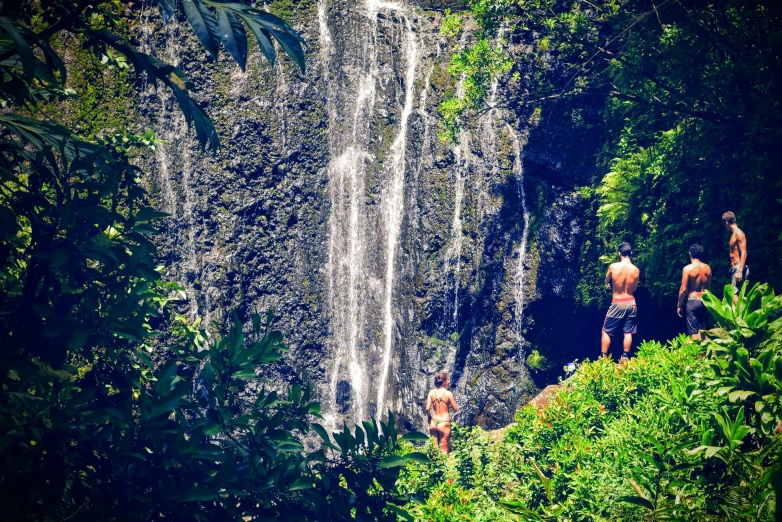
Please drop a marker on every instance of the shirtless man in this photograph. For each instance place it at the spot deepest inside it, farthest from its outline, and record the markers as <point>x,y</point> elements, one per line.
<point>440,423</point>
<point>622,280</point>
<point>696,277</point>
<point>738,254</point>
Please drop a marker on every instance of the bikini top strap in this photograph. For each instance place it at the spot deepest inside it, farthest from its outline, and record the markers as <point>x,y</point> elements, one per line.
<point>439,399</point>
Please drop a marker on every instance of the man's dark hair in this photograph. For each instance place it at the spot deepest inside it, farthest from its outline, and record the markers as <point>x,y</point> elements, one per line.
<point>440,378</point>
<point>696,251</point>
<point>625,250</point>
<point>729,217</point>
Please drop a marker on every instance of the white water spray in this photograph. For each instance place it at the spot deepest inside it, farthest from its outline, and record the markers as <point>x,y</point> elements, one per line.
<point>395,207</point>
<point>518,170</point>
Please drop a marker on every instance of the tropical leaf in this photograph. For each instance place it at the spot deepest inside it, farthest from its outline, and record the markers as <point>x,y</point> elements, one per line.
<point>392,461</point>
<point>292,46</point>
<point>233,36</point>
<point>414,436</point>
<point>20,45</point>
<point>417,457</point>
<point>263,37</point>
<point>205,129</point>
<point>399,512</point>
<point>638,501</point>
<point>148,214</point>
<point>204,25</point>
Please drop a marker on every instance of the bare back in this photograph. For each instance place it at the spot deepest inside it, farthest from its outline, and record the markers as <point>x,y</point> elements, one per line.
<point>697,277</point>
<point>622,278</point>
<point>440,400</point>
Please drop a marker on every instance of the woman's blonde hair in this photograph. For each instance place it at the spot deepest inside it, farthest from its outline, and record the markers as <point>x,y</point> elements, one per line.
<point>440,378</point>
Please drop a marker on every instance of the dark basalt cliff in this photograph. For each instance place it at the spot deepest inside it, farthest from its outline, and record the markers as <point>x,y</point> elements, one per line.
<point>386,254</point>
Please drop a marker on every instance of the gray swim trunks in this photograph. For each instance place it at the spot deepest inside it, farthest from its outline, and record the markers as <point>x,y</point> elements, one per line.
<point>733,282</point>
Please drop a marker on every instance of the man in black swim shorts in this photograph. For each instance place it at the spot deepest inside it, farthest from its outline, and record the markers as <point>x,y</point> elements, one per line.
<point>696,277</point>
<point>622,316</point>
<point>622,279</point>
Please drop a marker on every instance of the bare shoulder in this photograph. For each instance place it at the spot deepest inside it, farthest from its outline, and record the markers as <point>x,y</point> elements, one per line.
<point>740,234</point>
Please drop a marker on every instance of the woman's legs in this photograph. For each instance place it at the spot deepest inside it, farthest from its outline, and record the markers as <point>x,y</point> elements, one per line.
<point>435,433</point>
<point>445,440</point>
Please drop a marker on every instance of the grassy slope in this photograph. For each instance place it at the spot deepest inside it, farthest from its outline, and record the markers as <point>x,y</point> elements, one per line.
<point>608,430</point>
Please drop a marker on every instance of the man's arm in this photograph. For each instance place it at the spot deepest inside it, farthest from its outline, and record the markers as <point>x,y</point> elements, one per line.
<point>608,278</point>
<point>682,292</point>
<point>742,256</point>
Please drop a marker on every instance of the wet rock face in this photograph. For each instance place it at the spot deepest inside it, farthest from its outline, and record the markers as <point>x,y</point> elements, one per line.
<point>246,230</point>
<point>559,241</point>
<point>386,254</point>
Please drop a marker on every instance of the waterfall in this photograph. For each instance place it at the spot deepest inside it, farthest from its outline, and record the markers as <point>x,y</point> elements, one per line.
<point>335,202</point>
<point>395,206</point>
<point>518,170</point>
<point>349,278</point>
<point>176,167</point>
<point>324,36</point>
<point>346,226</point>
<point>454,255</point>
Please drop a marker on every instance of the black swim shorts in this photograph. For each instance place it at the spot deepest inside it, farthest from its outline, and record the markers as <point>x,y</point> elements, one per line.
<point>696,314</point>
<point>622,316</point>
<point>735,284</point>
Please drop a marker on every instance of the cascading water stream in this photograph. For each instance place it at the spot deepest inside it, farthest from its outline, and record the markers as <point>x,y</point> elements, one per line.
<point>403,233</point>
<point>518,170</point>
<point>345,241</point>
<point>453,256</point>
<point>395,204</point>
<point>349,278</point>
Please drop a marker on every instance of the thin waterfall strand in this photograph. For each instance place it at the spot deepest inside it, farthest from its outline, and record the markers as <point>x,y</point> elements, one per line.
<point>518,170</point>
<point>395,208</point>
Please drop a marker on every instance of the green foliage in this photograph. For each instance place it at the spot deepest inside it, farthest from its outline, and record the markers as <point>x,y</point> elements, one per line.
<point>33,71</point>
<point>452,25</point>
<point>676,153</point>
<point>95,422</point>
<point>490,14</point>
<point>194,437</point>
<point>537,362</point>
<point>658,438</point>
<point>747,346</point>
<point>474,68</point>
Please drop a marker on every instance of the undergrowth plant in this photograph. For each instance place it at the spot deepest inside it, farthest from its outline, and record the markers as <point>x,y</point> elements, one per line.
<point>684,431</point>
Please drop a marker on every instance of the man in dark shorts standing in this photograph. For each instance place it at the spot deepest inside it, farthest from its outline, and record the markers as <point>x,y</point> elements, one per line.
<point>739,271</point>
<point>696,277</point>
<point>622,279</point>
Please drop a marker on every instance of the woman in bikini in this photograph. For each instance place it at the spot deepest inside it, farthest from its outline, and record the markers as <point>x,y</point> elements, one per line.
<point>440,399</point>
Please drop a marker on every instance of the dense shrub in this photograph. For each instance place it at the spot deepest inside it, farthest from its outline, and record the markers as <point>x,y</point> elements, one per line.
<point>683,431</point>
<point>95,423</point>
